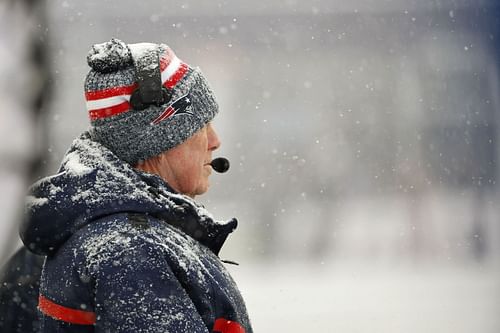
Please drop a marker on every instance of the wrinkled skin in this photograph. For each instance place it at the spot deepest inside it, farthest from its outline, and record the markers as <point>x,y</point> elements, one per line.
<point>186,167</point>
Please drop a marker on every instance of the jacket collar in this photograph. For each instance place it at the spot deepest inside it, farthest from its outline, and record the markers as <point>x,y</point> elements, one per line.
<point>190,217</point>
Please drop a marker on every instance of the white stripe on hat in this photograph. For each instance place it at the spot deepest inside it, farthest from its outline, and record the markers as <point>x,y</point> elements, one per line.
<point>107,102</point>
<point>171,69</point>
<point>174,67</point>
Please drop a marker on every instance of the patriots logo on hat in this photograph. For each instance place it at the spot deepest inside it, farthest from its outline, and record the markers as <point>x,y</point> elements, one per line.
<point>179,106</point>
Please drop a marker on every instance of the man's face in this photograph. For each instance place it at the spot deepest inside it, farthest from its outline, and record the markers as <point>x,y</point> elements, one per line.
<point>186,167</point>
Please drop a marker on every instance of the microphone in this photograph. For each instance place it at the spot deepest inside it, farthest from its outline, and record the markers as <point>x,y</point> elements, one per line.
<point>220,164</point>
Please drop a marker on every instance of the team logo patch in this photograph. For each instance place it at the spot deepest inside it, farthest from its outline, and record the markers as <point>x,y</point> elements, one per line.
<point>179,106</point>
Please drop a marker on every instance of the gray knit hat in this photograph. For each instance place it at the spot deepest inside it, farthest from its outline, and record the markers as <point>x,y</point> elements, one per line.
<point>134,132</point>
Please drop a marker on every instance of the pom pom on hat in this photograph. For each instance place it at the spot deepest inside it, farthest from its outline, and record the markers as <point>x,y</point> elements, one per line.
<point>135,135</point>
<point>109,56</point>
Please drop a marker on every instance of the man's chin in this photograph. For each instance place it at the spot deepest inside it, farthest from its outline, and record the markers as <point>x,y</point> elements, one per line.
<point>200,190</point>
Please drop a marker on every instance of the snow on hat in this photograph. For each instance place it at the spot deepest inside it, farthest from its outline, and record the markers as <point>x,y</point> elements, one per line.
<point>121,126</point>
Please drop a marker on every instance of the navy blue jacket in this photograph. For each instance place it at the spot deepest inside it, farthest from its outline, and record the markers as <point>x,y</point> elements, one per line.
<point>125,253</point>
<point>19,284</point>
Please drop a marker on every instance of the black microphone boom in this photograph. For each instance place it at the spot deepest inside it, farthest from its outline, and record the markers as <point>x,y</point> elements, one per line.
<point>220,164</point>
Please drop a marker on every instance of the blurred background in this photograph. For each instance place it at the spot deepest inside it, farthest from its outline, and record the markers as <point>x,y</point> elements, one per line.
<point>364,138</point>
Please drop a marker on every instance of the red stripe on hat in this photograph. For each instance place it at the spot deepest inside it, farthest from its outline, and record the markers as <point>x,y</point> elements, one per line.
<point>227,326</point>
<point>177,76</point>
<point>109,111</point>
<point>63,313</point>
<point>111,92</point>
<point>166,59</point>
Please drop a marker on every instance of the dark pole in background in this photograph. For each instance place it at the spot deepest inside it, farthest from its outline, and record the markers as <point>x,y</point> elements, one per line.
<point>24,94</point>
<point>25,22</point>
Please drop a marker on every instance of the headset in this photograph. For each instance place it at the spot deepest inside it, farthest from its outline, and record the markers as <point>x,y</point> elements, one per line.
<point>150,90</point>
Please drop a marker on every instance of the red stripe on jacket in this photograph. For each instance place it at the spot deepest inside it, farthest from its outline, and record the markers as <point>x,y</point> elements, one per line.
<point>227,326</point>
<point>65,314</point>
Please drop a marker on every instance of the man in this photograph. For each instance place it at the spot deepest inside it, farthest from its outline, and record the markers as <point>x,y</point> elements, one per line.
<point>128,249</point>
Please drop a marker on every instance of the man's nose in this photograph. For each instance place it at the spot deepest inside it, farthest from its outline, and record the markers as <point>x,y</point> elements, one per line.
<point>213,138</point>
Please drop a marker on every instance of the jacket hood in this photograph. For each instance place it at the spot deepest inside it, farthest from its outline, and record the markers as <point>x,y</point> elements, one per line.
<point>92,183</point>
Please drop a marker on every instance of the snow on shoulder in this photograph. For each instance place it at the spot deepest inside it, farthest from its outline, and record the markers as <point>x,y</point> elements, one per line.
<point>32,202</point>
<point>74,166</point>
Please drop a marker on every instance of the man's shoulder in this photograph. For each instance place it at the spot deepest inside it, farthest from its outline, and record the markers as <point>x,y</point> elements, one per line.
<point>124,230</point>
<point>124,224</point>
<point>112,237</point>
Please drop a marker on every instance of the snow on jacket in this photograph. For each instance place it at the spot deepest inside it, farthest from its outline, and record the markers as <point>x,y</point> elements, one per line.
<point>126,253</point>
